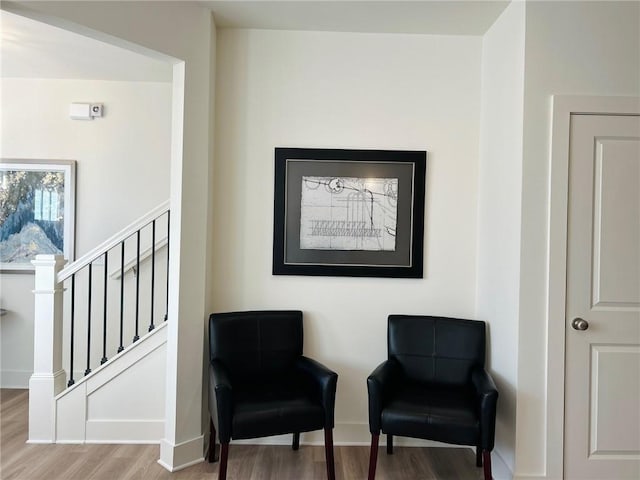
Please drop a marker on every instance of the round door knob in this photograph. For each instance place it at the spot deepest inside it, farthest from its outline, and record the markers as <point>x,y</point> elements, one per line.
<point>579,324</point>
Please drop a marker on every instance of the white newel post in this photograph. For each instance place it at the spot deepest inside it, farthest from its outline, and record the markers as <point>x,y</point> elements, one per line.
<point>48,378</point>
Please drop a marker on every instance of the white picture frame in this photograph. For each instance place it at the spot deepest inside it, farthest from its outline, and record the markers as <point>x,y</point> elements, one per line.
<point>37,211</point>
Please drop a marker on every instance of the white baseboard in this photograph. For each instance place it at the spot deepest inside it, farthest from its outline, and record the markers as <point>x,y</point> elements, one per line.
<point>183,455</point>
<point>15,379</point>
<point>344,434</point>
<point>357,434</point>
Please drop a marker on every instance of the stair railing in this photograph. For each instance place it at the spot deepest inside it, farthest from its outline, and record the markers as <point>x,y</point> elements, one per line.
<point>100,254</point>
<point>80,300</point>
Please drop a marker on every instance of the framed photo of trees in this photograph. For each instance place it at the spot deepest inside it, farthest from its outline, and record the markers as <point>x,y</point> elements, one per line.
<point>37,204</point>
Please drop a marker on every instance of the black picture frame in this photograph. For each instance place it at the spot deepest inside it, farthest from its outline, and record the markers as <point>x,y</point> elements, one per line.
<point>317,236</point>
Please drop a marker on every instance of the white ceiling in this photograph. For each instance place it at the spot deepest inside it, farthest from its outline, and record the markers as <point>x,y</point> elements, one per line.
<point>33,49</point>
<point>445,17</point>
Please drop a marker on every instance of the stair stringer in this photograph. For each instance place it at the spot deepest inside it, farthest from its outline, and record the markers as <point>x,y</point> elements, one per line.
<point>122,401</point>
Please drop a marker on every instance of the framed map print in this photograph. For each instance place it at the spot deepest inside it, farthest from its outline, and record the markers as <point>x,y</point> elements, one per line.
<point>349,212</point>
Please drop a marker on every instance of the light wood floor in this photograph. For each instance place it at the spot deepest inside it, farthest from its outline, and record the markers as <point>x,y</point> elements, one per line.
<point>19,460</point>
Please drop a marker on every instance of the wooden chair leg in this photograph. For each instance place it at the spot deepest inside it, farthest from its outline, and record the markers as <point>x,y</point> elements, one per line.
<point>328,452</point>
<point>296,441</point>
<point>212,442</point>
<point>478,456</point>
<point>389,444</point>
<point>373,456</point>
<point>224,455</point>
<point>486,458</point>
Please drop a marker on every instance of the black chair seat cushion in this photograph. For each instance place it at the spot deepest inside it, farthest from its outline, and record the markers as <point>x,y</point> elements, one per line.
<point>434,412</point>
<point>273,406</point>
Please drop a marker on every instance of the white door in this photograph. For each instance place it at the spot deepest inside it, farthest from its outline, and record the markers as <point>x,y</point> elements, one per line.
<point>602,389</point>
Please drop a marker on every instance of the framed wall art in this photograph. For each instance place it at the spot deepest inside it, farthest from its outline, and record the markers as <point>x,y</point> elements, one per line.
<point>37,202</point>
<point>353,213</point>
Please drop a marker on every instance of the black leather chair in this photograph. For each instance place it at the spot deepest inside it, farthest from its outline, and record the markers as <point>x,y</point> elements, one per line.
<point>261,385</point>
<point>434,386</point>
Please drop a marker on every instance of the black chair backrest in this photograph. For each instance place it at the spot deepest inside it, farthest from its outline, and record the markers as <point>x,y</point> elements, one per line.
<point>256,343</point>
<point>436,349</point>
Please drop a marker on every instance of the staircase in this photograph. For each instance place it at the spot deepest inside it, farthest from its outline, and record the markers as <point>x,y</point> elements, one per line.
<point>100,340</point>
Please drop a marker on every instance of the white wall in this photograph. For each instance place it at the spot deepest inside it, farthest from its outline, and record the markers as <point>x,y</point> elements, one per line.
<point>499,216</point>
<point>183,34</point>
<point>122,171</point>
<point>342,90</point>
<point>330,90</point>
<point>579,48</point>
